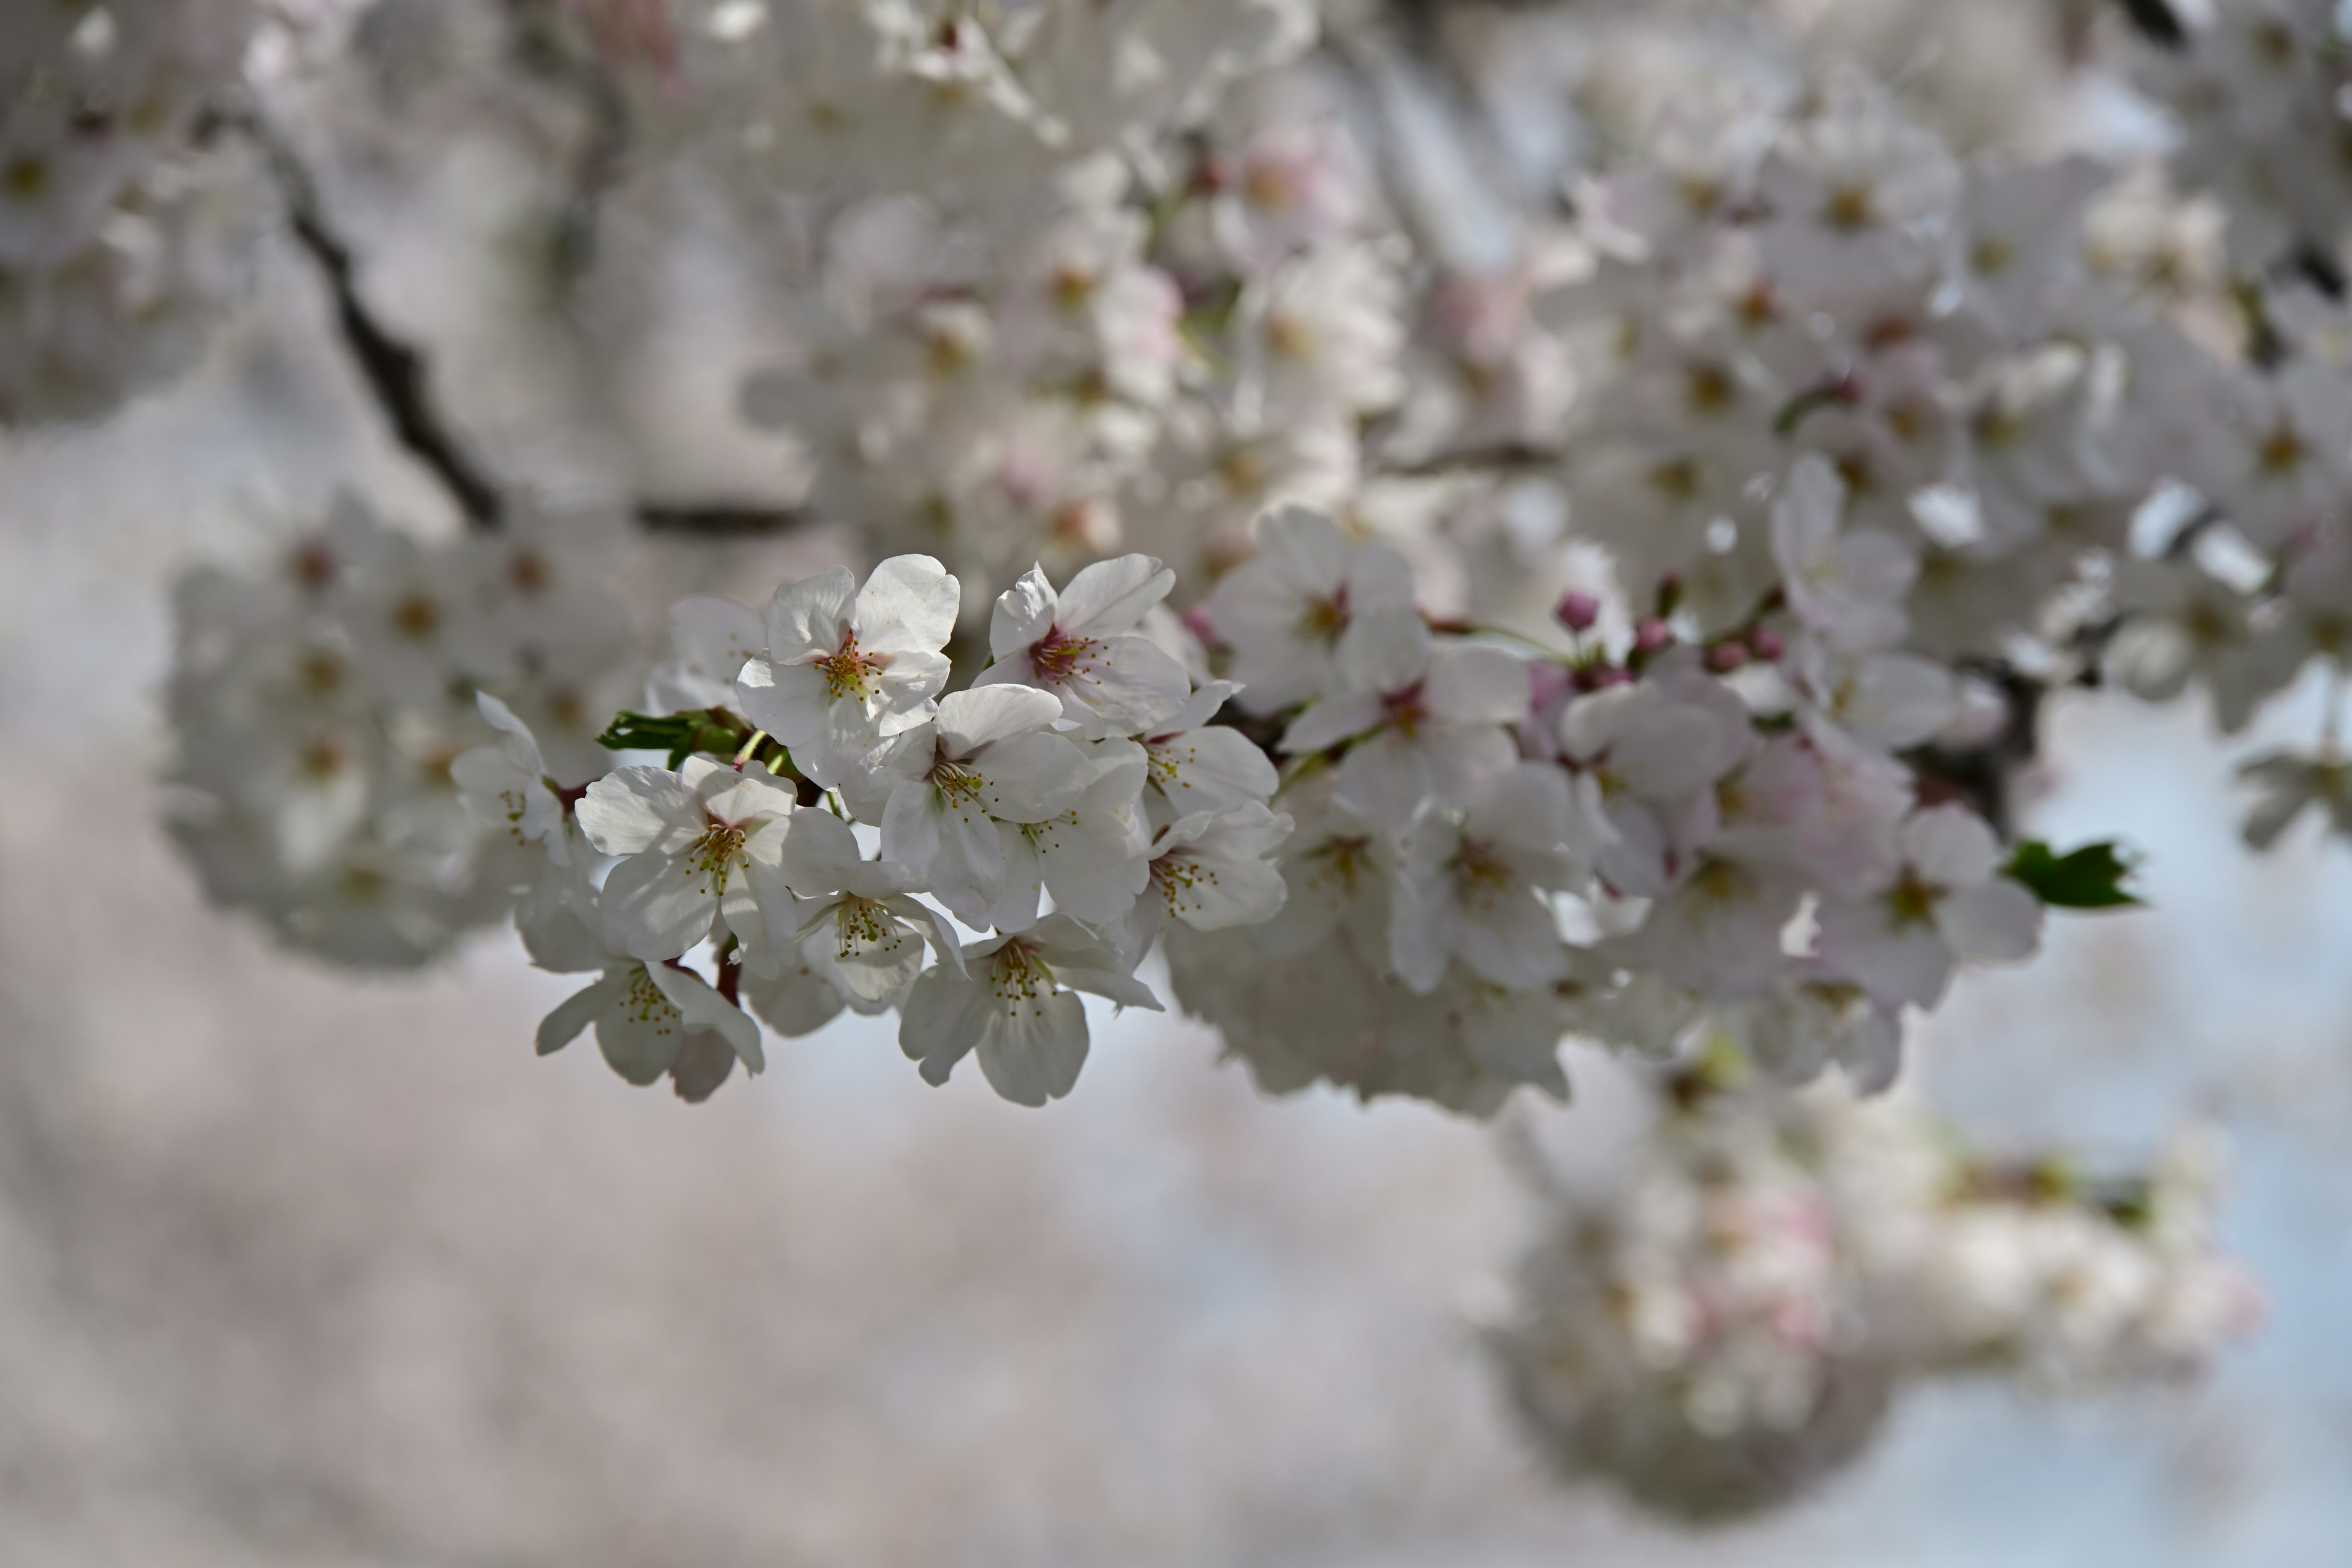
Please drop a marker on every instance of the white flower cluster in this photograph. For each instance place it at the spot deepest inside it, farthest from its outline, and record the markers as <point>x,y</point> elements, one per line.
<point>1729,1325</point>
<point>318,709</point>
<point>118,242</point>
<point>1723,831</point>
<point>1034,323</point>
<point>1079,768</point>
<point>2258,87</point>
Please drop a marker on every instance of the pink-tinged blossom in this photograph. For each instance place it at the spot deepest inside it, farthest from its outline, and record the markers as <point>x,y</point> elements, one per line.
<point>1081,645</point>
<point>1470,884</point>
<point>1947,902</point>
<point>846,668</point>
<point>687,842</point>
<point>1284,611</point>
<point>1015,1002</point>
<point>990,756</point>
<point>1417,719</point>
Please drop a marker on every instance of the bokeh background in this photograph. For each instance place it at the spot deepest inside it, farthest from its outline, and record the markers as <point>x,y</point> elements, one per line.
<point>297,1268</point>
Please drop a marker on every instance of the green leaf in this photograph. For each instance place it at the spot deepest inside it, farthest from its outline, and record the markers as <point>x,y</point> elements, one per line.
<point>2091,878</point>
<point>712,730</point>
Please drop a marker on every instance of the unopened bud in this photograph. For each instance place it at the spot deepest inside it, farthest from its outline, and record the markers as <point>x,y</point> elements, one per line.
<point>1765,644</point>
<point>1577,610</point>
<point>1726,656</point>
<point>1653,635</point>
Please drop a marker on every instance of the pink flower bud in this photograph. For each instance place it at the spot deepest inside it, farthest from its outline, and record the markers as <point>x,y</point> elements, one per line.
<point>1577,610</point>
<point>1726,656</point>
<point>1766,643</point>
<point>1653,635</point>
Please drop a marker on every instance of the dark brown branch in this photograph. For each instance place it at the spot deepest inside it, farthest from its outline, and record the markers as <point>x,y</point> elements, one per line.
<point>1513,456</point>
<point>396,374</point>
<point>722,522</point>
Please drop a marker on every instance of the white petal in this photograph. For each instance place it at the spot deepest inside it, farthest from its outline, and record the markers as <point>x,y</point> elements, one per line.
<point>971,719</point>
<point>1999,921</point>
<point>656,907</point>
<point>820,853</point>
<point>1030,777</point>
<point>1109,598</point>
<point>1950,846</point>
<point>1024,615</point>
<point>572,1014</point>
<point>634,809</point>
<point>942,1021</point>
<point>1477,686</point>
<point>789,702</point>
<point>1328,722</point>
<point>1034,1049</point>
<point>1390,650</point>
<point>909,606</point>
<point>1211,769</point>
<point>810,616</point>
<point>703,1008</point>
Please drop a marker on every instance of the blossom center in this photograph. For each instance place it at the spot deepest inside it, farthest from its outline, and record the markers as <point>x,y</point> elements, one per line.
<point>1479,869</point>
<point>1405,711</point>
<point>1325,617</point>
<point>1058,656</point>
<point>1020,977</point>
<point>851,673</point>
<point>1912,902</point>
<point>863,923</point>
<point>715,853</point>
<point>958,782</point>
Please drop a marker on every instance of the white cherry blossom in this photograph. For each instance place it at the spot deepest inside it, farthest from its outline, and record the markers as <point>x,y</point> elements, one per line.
<point>990,756</point>
<point>1947,902</point>
<point>1015,1002</point>
<point>1471,880</point>
<point>687,843</point>
<point>648,1019</point>
<point>1284,611</point>
<point>848,667</point>
<point>852,919</point>
<point>1417,719</point>
<point>1081,644</point>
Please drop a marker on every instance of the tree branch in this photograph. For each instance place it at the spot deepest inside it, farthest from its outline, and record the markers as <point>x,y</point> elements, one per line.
<point>396,374</point>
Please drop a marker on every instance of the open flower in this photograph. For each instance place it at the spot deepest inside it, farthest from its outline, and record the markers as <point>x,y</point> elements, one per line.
<point>1424,720</point>
<point>848,669</point>
<point>1014,1000</point>
<point>1090,857</point>
<point>1468,881</point>
<point>506,787</point>
<point>653,1019</point>
<point>990,757</point>
<point>1195,765</point>
<point>1947,902</point>
<point>1848,585</point>
<point>710,640</point>
<point>857,924</point>
<point>1284,612</point>
<point>688,841</point>
<point>1211,871</point>
<point>1081,645</point>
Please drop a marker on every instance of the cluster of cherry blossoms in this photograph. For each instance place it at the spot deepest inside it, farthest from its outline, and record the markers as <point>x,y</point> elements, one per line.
<point>1078,769</point>
<point>1626,840</point>
<point>318,707</point>
<point>1626,621</point>
<point>119,239</point>
<point>1730,1322</point>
